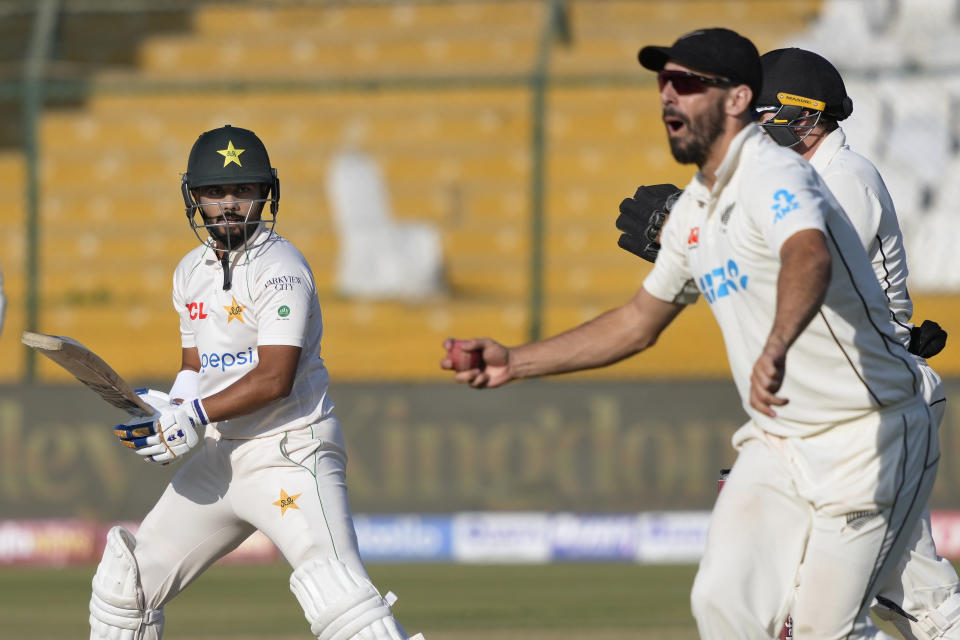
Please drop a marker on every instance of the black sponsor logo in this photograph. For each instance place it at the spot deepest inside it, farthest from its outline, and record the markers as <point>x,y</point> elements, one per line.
<point>283,283</point>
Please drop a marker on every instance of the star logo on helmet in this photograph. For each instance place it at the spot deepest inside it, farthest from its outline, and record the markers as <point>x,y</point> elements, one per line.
<point>231,154</point>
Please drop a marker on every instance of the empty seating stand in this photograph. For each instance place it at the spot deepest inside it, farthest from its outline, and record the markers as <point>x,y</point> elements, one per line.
<point>435,94</point>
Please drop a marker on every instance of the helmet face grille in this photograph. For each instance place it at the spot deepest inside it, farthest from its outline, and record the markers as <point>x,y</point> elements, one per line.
<point>791,124</point>
<point>233,225</point>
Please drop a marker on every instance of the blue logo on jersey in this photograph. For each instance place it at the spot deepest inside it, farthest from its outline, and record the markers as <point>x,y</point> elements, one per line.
<point>224,361</point>
<point>783,203</point>
<point>722,282</point>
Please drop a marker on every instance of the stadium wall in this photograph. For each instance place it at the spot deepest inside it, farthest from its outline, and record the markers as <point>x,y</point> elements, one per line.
<point>580,447</point>
<point>664,537</point>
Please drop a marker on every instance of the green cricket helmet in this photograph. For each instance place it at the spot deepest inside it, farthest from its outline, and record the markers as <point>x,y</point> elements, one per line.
<point>229,156</point>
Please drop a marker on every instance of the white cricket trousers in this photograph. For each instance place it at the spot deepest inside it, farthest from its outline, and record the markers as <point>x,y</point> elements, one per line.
<point>813,525</point>
<point>921,580</point>
<point>229,488</point>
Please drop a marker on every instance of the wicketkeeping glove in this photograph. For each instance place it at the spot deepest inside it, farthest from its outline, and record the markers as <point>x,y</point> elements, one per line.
<point>167,435</point>
<point>642,217</point>
<point>927,340</point>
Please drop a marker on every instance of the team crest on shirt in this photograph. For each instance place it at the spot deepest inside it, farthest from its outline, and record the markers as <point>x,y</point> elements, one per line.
<point>287,501</point>
<point>725,216</point>
<point>234,311</point>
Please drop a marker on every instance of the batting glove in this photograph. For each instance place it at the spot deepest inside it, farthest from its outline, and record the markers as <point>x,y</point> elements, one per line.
<point>156,399</point>
<point>167,436</point>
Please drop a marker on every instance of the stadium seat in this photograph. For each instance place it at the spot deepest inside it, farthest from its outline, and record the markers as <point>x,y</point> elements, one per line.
<point>851,33</point>
<point>378,257</point>
<point>931,251</point>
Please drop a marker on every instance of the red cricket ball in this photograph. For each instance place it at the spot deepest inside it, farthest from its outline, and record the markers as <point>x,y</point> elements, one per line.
<point>464,360</point>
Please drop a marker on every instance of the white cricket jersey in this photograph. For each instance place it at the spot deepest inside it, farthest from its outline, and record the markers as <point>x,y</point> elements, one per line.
<point>272,301</point>
<point>725,244</point>
<point>858,187</point>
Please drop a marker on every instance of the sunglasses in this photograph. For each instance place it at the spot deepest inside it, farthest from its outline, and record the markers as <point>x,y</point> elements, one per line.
<point>685,82</point>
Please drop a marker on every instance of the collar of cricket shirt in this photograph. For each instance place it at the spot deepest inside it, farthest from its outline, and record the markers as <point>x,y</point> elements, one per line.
<point>828,149</point>
<point>731,160</point>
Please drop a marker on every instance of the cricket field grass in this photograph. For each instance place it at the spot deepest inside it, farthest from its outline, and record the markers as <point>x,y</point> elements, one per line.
<point>445,602</point>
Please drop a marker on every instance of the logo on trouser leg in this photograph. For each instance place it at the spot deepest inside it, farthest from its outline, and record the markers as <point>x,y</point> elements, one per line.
<point>287,502</point>
<point>857,519</point>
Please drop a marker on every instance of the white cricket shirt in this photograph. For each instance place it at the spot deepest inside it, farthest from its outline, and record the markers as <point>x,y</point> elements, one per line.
<point>272,301</point>
<point>858,187</point>
<point>725,244</point>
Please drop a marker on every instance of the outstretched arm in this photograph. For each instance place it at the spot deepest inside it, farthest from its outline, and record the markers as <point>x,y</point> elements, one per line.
<point>801,289</point>
<point>608,338</point>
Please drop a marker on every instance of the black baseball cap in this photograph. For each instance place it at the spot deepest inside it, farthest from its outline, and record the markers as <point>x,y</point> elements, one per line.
<point>806,74</point>
<point>715,50</point>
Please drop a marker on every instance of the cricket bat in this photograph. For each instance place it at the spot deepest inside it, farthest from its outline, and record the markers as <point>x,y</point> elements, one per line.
<point>90,369</point>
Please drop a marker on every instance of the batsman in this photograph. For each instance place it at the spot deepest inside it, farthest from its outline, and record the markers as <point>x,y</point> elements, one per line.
<point>251,408</point>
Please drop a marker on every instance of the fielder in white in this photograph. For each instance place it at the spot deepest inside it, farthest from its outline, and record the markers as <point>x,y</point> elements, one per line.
<point>251,399</point>
<point>802,99</point>
<point>838,459</point>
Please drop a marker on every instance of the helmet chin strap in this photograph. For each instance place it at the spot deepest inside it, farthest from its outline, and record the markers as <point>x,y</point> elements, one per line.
<point>225,263</point>
<point>226,253</point>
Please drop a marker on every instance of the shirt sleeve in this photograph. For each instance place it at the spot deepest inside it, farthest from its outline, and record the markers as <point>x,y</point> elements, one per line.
<point>671,280</point>
<point>187,338</point>
<point>859,202</point>
<point>784,200</point>
<point>285,300</point>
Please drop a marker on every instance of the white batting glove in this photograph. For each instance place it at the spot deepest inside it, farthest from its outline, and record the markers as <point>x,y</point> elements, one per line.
<point>156,399</point>
<point>166,436</point>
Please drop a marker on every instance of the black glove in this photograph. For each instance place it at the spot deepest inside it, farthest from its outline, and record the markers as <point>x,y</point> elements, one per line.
<point>642,217</point>
<point>927,340</point>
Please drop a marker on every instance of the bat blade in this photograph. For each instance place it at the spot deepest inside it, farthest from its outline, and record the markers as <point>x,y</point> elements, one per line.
<point>90,369</point>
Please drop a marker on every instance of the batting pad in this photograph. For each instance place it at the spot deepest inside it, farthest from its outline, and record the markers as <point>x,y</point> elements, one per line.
<point>116,606</point>
<point>341,605</point>
<point>942,621</point>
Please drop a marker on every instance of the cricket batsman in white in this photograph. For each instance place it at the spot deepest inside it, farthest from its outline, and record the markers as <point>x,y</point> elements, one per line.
<point>251,403</point>
<point>836,464</point>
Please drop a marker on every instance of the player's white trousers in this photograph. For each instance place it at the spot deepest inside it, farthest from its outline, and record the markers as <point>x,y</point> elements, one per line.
<point>813,525</point>
<point>921,581</point>
<point>291,486</point>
